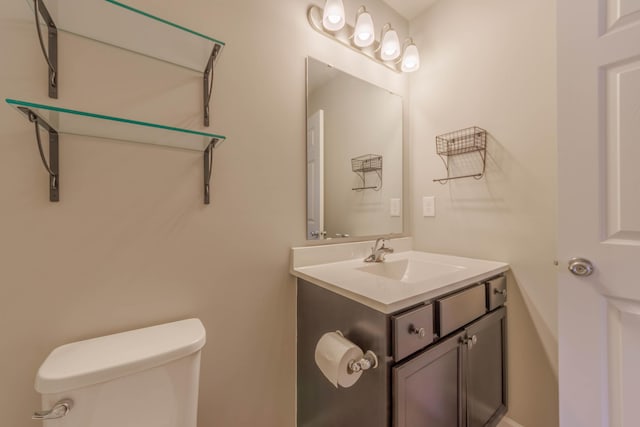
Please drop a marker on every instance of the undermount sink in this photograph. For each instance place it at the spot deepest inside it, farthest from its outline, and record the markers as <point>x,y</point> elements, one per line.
<point>410,270</point>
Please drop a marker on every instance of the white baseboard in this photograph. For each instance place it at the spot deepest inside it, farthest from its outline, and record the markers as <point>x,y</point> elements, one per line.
<point>508,422</point>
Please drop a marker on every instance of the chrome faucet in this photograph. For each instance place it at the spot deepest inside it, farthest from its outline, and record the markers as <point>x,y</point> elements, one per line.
<point>378,253</point>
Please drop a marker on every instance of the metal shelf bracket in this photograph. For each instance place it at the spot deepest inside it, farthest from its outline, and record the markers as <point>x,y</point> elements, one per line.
<point>362,175</point>
<point>208,168</point>
<point>478,175</point>
<point>208,82</point>
<point>53,167</point>
<point>51,54</point>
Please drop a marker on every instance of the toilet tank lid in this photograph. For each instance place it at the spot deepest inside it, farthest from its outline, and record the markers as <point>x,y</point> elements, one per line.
<point>97,360</point>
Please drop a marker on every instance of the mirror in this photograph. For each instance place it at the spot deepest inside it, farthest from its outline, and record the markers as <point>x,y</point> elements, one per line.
<point>354,156</point>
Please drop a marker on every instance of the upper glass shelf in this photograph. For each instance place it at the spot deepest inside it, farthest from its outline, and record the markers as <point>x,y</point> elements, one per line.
<point>120,25</point>
<point>96,125</point>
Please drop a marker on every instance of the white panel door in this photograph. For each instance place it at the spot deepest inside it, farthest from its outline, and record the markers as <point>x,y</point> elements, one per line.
<point>315,175</point>
<point>599,211</point>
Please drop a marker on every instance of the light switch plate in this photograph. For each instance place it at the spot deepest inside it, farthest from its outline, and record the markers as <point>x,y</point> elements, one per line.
<point>428,206</point>
<point>394,207</point>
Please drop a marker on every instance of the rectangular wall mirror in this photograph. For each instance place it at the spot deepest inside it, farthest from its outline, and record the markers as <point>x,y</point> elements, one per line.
<point>354,156</point>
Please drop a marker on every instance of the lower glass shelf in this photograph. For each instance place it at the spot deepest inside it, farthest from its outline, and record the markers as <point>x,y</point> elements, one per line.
<point>56,120</point>
<point>73,122</point>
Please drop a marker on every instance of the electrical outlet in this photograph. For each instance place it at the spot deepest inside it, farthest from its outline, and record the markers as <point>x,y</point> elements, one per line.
<point>394,207</point>
<point>428,206</point>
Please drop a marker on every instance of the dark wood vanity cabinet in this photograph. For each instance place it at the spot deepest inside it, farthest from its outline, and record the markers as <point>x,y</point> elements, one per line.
<point>461,381</point>
<point>441,364</point>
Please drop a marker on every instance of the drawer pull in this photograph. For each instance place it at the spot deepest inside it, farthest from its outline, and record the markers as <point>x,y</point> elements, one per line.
<point>420,332</point>
<point>502,292</point>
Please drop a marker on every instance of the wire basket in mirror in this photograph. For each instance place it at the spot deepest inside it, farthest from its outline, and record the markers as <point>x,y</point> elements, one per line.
<point>366,164</point>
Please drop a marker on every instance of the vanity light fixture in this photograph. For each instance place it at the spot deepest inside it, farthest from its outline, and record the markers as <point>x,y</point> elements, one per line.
<point>333,16</point>
<point>390,45</point>
<point>410,58</point>
<point>331,22</point>
<point>363,34</point>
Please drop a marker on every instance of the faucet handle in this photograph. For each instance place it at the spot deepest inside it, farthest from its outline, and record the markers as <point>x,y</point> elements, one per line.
<point>378,240</point>
<point>386,248</point>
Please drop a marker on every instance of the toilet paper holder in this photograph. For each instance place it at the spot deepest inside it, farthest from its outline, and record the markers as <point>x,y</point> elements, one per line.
<point>368,361</point>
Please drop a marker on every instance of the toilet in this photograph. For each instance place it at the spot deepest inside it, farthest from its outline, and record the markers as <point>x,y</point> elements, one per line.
<point>141,378</point>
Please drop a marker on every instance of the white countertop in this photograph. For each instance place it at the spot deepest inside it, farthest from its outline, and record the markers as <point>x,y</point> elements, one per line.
<point>349,276</point>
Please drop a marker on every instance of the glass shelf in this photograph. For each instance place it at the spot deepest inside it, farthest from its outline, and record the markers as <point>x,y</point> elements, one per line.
<point>120,25</point>
<point>82,123</point>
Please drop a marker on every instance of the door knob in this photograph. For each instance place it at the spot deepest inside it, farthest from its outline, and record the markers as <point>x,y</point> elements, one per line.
<point>580,267</point>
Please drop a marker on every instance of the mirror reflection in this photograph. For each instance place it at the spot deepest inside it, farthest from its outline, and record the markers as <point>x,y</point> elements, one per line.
<point>354,156</point>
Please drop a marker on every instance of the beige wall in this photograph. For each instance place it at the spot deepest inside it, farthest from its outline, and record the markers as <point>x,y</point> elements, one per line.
<point>491,63</point>
<point>131,244</point>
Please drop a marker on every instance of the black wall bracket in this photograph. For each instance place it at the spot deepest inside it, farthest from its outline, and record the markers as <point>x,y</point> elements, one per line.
<point>52,56</point>
<point>208,82</point>
<point>208,168</point>
<point>53,167</point>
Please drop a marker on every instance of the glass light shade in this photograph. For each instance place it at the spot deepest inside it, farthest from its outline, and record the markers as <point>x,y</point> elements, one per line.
<point>390,46</point>
<point>410,59</point>
<point>333,16</point>
<point>363,35</point>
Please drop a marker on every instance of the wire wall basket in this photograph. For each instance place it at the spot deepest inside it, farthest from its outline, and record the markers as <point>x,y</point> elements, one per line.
<point>463,141</point>
<point>368,163</point>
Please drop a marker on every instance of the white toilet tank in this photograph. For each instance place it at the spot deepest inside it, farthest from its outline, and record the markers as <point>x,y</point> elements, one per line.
<point>142,378</point>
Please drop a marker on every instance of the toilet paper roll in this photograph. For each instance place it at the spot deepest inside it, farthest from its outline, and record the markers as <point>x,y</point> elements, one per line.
<point>333,354</point>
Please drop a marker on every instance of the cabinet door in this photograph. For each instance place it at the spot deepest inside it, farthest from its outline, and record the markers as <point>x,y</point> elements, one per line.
<point>485,370</point>
<point>426,389</point>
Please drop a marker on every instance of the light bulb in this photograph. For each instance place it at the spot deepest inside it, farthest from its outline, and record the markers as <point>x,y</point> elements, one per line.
<point>390,49</point>
<point>363,34</point>
<point>410,59</point>
<point>333,16</point>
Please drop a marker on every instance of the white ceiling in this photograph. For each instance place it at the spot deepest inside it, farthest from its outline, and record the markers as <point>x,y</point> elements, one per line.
<point>410,8</point>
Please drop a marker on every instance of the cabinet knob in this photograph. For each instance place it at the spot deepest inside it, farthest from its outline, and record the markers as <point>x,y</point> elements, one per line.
<point>502,292</point>
<point>469,341</point>
<point>420,332</point>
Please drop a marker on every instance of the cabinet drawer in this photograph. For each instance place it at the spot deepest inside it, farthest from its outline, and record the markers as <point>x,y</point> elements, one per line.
<point>457,310</point>
<point>412,331</point>
<point>496,292</point>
